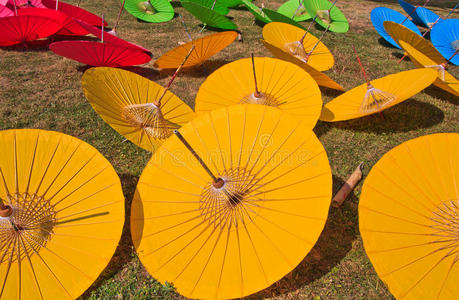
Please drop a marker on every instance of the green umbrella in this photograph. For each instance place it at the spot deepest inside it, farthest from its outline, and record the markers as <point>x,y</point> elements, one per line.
<point>217,6</point>
<point>209,17</point>
<point>153,11</point>
<point>327,14</point>
<point>277,17</point>
<point>232,3</point>
<point>294,9</point>
<point>256,11</point>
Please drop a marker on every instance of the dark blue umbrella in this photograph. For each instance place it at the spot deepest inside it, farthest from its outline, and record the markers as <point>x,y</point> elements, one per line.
<point>445,37</point>
<point>381,14</point>
<point>427,17</point>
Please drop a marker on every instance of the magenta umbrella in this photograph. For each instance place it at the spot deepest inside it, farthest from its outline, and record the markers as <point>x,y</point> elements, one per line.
<point>5,11</point>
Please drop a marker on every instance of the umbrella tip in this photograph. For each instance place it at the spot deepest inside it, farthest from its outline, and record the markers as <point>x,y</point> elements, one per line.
<point>219,183</point>
<point>6,211</point>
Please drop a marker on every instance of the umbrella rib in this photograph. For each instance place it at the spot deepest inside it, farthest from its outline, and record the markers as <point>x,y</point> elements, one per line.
<point>223,261</point>
<point>228,124</point>
<point>256,138</point>
<point>85,224</point>
<point>185,165</point>
<point>32,163</point>
<point>205,147</point>
<point>242,140</point>
<point>436,166</point>
<point>59,220</point>
<point>452,169</point>
<point>284,212</point>
<point>31,267</point>
<point>6,187</point>
<point>394,217</point>
<point>16,179</point>
<point>447,275</point>
<point>218,141</point>
<point>240,259</point>
<point>172,190</point>
<point>47,167</point>
<point>286,199</point>
<point>158,166</point>
<point>406,233</point>
<point>164,229</point>
<point>18,256</point>
<point>10,260</point>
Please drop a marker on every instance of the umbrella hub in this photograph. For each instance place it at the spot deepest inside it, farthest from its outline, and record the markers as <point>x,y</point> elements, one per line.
<point>297,49</point>
<point>30,226</point>
<point>223,200</point>
<point>324,15</point>
<point>440,69</point>
<point>375,100</point>
<point>263,98</point>
<point>149,118</point>
<point>146,7</point>
<point>455,44</point>
<point>301,10</point>
<point>446,221</point>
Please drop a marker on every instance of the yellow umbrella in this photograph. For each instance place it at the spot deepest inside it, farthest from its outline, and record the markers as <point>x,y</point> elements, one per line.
<point>278,83</point>
<point>139,109</point>
<point>408,218</point>
<point>320,78</point>
<point>377,95</point>
<point>424,55</point>
<point>61,214</point>
<point>206,47</point>
<point>299,43</point>
<point>232,203</point>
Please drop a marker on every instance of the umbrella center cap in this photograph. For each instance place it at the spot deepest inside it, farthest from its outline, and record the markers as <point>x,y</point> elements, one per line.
<point>32,221</point>
<point>301,10</point>
<point>146,7</point>
<point>149,118</point>
<point>324,15</point>
<point>263,98</point>
<point>455,44</point>
<point>446,221</point>
<point>375,100</point>
<point>297,49</point>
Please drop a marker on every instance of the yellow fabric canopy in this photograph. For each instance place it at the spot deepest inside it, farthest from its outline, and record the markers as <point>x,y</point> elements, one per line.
<point>205,48</point>
<point>127,102</point>
<point>287,38</point>
<point>383,93</point>
<point>235,235</point>
<point>408,218</point>
<point>282,85</point>
<point>67,214</point>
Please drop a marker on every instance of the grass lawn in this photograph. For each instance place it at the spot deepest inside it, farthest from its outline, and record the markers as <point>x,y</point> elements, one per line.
<point>39,89</point>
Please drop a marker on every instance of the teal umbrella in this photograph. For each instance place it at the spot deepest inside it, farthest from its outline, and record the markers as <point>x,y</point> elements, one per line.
<point>294,9</point>
<point>256,11</point>
<point>327,14</point>
<point>278,17</point>
<point>209,17</point>
<point>217,6</point>
<point>153,11</point>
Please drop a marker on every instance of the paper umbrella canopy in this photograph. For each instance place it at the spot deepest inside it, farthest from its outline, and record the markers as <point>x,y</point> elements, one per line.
<point>424,55</point>
<point>280,84</point>
<point>238,233</point>
<point>409,218</point>
<point>62,213</point>
<point>128,103</point>
<point>377,95</point>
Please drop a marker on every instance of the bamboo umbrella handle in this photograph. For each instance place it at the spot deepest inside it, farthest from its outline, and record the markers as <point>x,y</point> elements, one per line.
<point>348,186</point>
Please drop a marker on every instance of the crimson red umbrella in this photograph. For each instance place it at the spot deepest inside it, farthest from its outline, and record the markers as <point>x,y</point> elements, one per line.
<point>100,54</point>
<point>28,26</point>
<point>5,11</point>
<point>110,38</point>
<point>75,12</point>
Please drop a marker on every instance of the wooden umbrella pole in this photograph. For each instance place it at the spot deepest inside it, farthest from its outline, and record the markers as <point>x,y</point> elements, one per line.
<point>57,4</point>
<point>15,8</point>
<point>78,4</point>
<point>312,22</point>
<point>158,102</point>
<point>348,186</point>
<point>300,4</point>
<point>317,43</point>
<point>361,66</point>
<point>412,12</point>
<point>257,93</point>
<point>199,159</point>
<point>184,26</point>
<point>102,28</point>
<point>452,56</point>
<point>119,16</point>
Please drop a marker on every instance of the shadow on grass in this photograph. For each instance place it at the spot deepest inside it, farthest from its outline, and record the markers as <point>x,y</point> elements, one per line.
<point>125,249</point>
<point>204,70</point>
<point>406,116</point>
<point>33,46</point>
<point>385,43</point>
<point>332,246</point>
<point>437,92</point>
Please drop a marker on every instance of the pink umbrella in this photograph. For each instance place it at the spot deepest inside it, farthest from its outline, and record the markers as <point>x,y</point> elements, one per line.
<point>5,11</point>
<point>74,11</point>
<point>100,54</point>
<point>25,3</point>
<point>28,26</point>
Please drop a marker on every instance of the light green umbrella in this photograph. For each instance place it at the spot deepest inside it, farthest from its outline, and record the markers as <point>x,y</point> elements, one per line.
<point>232,3</point>
<point>294,9</point>
<point>153,11</point>
<point>326,14</point>
<point>256,11</point>
<point>209,17</point>
<point>217,6</point>
<point>278,17</point>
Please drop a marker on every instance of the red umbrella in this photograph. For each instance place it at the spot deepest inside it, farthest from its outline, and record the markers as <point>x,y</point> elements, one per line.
<point>110,38</point>
<point>74,11</point>
<point>100,54</point>
<point>25,3</point>
<point>5,11</point>
<point>28,26</point>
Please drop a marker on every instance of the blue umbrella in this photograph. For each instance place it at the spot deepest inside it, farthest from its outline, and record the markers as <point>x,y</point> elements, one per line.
<point>426,16</point>
<point>445,37</point>
<point>410,10</point>
<point>381,14</point>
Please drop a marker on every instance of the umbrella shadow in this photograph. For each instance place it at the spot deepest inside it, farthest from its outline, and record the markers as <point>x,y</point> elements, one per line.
<point>203,70</point>
<point>385,43</point>
<point>332,246</point>
<point>124,251</point>
<point>437,92</point>
<point>149,73</point>
<point>33,46</point>
<point>406,116</point>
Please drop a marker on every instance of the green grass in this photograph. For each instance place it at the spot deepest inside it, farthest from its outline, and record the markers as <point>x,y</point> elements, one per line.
<point>39,89</point>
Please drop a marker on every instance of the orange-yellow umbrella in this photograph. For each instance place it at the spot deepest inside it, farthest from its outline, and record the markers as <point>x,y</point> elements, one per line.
<point>294,41</point>
<point>319,77</point>
<point>424,55</point>
<point>409,218</point>
<point>129,103</point>
<point>278,83</point>
<point>232,203</point>
<point>61,214</point>
<point>205,48</point>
